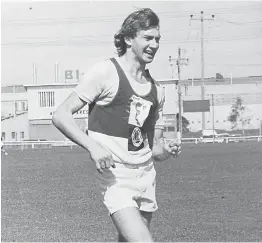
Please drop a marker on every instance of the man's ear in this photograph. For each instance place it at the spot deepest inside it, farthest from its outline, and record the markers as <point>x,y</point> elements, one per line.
<point>129,41</point>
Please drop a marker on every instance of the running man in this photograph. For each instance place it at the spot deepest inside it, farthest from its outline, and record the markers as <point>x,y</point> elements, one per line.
<point>125,125</point>
<point>2,147</point>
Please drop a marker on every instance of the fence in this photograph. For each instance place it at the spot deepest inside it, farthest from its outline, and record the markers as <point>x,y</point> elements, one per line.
<point>37,144</point>
<point>222,139</point>
<point>21,145</point>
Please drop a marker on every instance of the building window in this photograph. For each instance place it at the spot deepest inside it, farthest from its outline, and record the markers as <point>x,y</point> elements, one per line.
<point>20,106</point>
<point>170,129</point>
<point>46,99</point>
<point>3,135</point>
<point>23,106</point>
<point>13,135</point>
<point>22,135</point>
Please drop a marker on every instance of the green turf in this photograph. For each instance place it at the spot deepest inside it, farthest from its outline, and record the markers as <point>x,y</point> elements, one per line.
<point>212,192</point>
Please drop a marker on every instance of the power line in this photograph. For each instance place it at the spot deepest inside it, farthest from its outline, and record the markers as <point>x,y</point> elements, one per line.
<point>202,19</point>
<point>89,37</point>
<point>106,19</point>
<point>95,42</point>
<point>238,23</point>
<point>243,64</point>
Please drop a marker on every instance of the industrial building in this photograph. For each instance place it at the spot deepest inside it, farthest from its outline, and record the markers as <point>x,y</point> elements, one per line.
<point>34,105</point>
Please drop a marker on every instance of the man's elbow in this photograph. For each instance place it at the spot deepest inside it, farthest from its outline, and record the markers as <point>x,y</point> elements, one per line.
<point>157,158</point>
<point>57,117</point>
<point>160,157</point>
<point>159,153</point>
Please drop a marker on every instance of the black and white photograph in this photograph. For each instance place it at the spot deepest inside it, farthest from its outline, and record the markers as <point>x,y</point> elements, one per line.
<point>131,121</point>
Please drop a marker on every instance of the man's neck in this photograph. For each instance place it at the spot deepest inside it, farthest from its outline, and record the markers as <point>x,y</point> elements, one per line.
<point>133,66</point>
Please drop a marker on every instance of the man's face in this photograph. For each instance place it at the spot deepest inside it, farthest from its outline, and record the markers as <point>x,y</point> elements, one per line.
<point>146,44</point>
<point>139,108</point>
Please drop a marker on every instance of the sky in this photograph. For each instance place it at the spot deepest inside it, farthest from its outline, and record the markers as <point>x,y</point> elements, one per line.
<point>77,34</point>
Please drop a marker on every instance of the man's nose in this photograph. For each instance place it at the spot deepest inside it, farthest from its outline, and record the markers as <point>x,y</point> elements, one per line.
<point>154,44</point>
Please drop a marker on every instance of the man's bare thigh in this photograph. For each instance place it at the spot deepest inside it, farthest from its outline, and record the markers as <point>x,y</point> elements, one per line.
<point>132,224</point>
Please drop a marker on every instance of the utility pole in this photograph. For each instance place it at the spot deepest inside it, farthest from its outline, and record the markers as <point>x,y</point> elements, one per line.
<point>34,74</point>
<point>172,64</point>
<point>202,59</point>
<point>179,61</point>
<point>260,131</point>
<point>14,101</point>
<point>213,119</point>
<point>56,73</point>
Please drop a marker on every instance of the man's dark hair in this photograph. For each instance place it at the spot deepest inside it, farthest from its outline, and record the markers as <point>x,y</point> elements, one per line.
<point>142,19</point>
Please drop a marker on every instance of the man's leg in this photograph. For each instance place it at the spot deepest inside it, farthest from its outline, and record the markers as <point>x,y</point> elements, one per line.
<point>146,216</point>
<point>132,225</point>
<point>3,151</point>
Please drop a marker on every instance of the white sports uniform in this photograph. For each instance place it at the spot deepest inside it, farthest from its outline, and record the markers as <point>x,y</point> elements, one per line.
<point>122,112</point>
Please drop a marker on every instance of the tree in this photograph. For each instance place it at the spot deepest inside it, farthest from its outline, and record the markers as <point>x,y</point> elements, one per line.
<point>185,123</point>
<point>219,77</point>
<point>236,109</point>
<point>240,115</point>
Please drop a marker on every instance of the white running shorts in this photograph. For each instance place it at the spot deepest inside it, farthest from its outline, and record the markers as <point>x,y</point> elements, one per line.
<point>129,186</point>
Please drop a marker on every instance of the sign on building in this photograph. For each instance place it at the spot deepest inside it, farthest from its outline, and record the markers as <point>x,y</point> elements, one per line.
<point>196,106</point>
<point>71,75</point>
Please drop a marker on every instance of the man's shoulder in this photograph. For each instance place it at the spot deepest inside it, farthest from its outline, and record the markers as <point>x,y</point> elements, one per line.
<point>102,73</point>
<point>160,90</point>
<point>158,85</point>
<point>103,66</point>
<point>153,80</point>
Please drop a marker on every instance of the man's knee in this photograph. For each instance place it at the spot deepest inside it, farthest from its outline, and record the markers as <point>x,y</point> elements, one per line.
<point>137,237</point>
<point>145,237</point>
<point>131,225</point>
<point>147,217</point>
<point>121,238</point>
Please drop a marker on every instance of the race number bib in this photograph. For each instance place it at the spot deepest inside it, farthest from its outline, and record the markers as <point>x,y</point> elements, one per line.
<point>138,113</point>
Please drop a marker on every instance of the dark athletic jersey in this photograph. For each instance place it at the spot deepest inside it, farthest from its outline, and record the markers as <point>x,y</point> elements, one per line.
<point>122,125</point>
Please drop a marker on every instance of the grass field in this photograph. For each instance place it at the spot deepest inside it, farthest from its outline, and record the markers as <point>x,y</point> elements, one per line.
<point>210,193</point>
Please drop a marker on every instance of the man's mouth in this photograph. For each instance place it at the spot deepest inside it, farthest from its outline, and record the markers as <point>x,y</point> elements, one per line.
<point>150,53</point>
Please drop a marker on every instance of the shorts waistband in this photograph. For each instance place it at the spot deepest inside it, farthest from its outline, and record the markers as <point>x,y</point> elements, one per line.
<point>134,166</point>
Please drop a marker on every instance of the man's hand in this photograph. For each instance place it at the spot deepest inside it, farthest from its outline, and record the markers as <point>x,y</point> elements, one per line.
<point>173,147</point>
<point>102,158</point>
<point>162,150</point>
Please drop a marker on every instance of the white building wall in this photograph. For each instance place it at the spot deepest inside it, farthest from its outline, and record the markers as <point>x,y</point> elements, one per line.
<point>233,88</point>
<point>13,96</point>
<point>224,97</point>
<point>7,108</point>
<point>17,124</point>
<point>171,99</point>
<point>8,101</point>
<point>35,112</point>
<point>221,114</point>
<point>193,92</point>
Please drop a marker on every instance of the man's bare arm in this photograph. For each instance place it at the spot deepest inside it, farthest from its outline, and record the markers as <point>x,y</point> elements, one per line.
<point>63,119</point>
<point>160,149</point>
<point>156,142</point>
